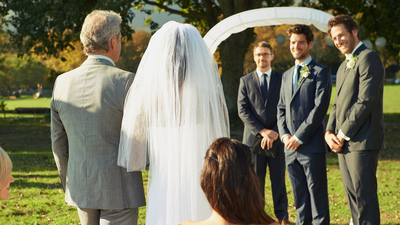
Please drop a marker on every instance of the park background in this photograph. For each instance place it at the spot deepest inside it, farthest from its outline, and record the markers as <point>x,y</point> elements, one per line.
<point>40,40</point>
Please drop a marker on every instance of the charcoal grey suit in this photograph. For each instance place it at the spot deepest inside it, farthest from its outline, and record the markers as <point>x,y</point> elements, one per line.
<point>86,115</point>
<point>358,113</point>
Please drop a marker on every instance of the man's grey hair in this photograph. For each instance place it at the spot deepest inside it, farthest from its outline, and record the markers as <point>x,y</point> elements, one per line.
<point>98,29</point>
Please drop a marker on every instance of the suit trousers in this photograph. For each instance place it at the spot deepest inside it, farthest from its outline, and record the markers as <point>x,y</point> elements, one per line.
<point>108,216</point>
<point>307,173</point>
<point>358,169</point>
<point>277,177</point>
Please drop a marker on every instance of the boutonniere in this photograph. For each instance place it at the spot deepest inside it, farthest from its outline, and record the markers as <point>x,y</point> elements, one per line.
<point>304,72</point>
<point>351,61</point>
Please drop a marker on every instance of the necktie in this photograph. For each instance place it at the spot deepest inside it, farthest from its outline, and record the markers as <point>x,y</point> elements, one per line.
<point>264,85</point>
<point>296,77</point>
<point>298,73</point>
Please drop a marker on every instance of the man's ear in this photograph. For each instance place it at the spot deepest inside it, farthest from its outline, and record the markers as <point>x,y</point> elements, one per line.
<point>355,32</point>
<point>311,45</point>
<point>113,42</point>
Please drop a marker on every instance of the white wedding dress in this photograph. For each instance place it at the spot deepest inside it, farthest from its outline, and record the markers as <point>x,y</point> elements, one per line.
<point>174,110</point>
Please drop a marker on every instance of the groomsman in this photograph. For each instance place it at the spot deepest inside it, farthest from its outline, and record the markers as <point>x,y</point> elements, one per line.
<point>304,101</point>
<point>355,127</point>
<point>257,100</point>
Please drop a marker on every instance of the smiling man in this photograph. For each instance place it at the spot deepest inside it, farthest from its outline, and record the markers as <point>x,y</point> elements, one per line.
<point>355,127</point>
<point>257,100</point>
<point>304,101</point>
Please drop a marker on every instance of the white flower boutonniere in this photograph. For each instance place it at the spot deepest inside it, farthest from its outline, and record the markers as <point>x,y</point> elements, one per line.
<point>351,61</point>
<point>305,72</point>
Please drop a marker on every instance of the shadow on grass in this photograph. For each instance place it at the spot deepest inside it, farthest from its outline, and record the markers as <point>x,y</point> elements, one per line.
<point>37,181</point>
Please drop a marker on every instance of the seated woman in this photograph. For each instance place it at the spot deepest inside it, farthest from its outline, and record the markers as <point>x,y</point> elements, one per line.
<point>5,175</point>
<point>231,186</point>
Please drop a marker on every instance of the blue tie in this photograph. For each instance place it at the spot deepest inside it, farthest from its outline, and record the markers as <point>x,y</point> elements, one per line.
<point>264,85</point>
<point>297,77</point>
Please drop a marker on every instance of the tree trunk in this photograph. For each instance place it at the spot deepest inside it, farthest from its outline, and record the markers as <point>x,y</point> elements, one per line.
<point>232,52</point>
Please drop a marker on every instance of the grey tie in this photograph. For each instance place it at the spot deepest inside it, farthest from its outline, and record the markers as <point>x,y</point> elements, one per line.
<point>264,85</point>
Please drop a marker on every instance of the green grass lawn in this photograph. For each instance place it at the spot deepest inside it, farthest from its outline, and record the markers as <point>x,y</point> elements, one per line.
<point>37,197</point>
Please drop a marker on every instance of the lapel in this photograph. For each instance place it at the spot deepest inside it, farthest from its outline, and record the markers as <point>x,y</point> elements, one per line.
<point>255,82</point>
<point>310,67</point>
<point>342,69</point>
<point>290,72</point>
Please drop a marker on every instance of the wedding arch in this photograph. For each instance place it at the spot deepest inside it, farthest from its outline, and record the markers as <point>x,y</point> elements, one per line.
<point>265,17</point>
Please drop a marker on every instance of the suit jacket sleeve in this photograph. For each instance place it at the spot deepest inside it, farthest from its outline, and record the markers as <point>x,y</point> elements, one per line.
<point>59,141</point>
<point>244,111</point>
<point>371,75</point>
<point>323,89</point>
<point>281,107</point>
<point>331,125</point>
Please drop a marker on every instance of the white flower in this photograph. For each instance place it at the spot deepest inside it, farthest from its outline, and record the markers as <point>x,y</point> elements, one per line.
<point>305,72</point>
<point>350,64</point>
<point>351,61</point>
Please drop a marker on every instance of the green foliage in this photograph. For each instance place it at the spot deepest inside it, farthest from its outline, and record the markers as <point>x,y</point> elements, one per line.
<point>375,18</point>
<point>133,50</point>
<point>21,72</point>
<point>3,107</point>
<point>50,26</point>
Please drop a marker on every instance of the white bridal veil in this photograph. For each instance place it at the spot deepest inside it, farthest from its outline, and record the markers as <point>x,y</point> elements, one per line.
<point>174,110</point>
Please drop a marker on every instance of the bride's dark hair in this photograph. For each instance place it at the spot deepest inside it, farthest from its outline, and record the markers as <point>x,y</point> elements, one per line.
<point>230,184</point>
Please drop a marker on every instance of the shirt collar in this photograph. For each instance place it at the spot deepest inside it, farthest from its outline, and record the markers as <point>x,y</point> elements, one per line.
<point>259,73</point>
<point>101,57</point>
<point>305,62</point>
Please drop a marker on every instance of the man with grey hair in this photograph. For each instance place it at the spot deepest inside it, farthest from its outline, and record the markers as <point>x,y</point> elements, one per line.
<point>86,115</point>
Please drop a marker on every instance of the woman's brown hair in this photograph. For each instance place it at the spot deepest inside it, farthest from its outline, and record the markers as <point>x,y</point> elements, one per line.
<point>231,185</point>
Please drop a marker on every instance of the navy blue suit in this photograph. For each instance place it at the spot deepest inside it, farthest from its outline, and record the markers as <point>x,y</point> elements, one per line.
<point>301,113</point>
<point>256,115</point>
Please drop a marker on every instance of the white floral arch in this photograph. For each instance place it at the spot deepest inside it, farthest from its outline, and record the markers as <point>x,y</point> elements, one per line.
<point>265,17</point>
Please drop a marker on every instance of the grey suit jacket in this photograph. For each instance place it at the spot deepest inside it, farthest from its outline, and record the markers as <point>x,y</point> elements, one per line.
<point>86,115</point>
<point>358,106</point>
<point>256,113</point>
<point>302,112</point>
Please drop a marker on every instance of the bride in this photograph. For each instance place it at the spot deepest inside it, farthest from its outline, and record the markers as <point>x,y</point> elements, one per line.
<point>174,110</point>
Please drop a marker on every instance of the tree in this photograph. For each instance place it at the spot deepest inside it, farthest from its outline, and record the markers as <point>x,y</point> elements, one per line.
<point>133,50</point>
<point>48,26</point>
<point>204,14</point>
<point>376,18</point>
<point>22,73</point>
